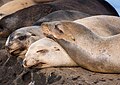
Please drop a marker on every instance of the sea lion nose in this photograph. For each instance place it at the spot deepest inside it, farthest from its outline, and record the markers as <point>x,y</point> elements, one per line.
<point>29,63</point>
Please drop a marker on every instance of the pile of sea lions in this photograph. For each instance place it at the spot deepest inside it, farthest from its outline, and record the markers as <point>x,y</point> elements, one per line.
<point>52,33</point>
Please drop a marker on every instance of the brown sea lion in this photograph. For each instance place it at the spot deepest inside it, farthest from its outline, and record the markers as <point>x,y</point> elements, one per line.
<point>30,15</point>
<point>88,50</point>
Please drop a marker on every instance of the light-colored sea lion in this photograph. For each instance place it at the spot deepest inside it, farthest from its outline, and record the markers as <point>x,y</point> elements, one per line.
<point>88,50</point>
<point>102,25</point>
<point>46,53</point>
<point>18,42</point>
<point>30,15</point>
<point>62,15</point>
<point>16,5</point>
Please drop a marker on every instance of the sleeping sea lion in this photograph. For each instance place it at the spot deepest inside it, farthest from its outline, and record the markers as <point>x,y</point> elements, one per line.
<point>30,15</point>
<point>18,42</point>
<point>46,53</point>
<point>87,49</point>
<point>63,15</point>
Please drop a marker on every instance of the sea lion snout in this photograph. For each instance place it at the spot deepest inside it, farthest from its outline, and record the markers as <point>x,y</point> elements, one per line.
<point>30,62</point>
<point>57,30</point>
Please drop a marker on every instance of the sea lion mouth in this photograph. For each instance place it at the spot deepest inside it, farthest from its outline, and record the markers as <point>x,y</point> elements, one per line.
<point>17,51</point>
<point>38,65</point>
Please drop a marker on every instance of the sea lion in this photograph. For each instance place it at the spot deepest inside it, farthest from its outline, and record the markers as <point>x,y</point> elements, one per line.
<point>16,5</point>
<point>18,42</point>
<point>46,53</point>
<point>30,15</point>
<point>102,25</point>
<point>63,15</point>
<point>88,50</point>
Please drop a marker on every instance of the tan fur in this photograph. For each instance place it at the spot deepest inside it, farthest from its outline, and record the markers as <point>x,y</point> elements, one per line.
<point>16,5</point>
<point>89,50</point>
<point>102,25</point>
<point>46,53</point>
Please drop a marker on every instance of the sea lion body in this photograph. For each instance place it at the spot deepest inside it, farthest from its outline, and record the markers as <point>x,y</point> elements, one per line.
<point>18,42</point>
<point>87,49</point>
<point>16,5</point>
<point>30,15</point>
<point>46,53</point>
<point>102,25</point>
<point>62,15</point>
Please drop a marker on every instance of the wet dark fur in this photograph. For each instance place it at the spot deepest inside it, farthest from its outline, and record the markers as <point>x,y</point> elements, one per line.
<point>63,15</point>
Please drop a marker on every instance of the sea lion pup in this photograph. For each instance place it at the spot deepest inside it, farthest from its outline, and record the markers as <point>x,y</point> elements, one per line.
<point>18,42</point>
<point>30,15</point>
<point>16,5</point>
<point>46,53</point>
<point>62,15</point>
<point>102,25</point>
<point>88,50</point>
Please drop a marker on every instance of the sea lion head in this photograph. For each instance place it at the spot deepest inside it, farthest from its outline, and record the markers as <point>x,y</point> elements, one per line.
<point>46,53</point>
<point>59,30</point>
<point>19,41</point>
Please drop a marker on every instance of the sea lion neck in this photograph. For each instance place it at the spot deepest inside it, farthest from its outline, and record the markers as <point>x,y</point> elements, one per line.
<point>82,34</point>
